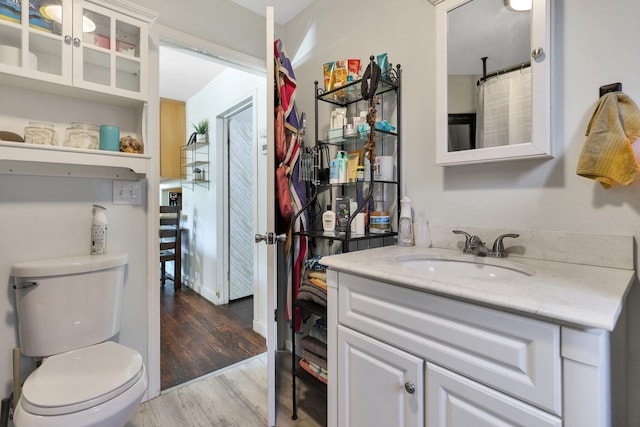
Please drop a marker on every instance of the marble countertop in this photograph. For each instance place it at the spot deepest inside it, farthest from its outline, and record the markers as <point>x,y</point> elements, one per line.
<point>584,295</point>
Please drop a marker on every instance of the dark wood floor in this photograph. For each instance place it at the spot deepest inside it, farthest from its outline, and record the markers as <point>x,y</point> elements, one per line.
<point>198,337</point>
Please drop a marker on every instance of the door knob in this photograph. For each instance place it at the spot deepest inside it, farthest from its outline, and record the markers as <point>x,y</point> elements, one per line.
<point>270,238</point>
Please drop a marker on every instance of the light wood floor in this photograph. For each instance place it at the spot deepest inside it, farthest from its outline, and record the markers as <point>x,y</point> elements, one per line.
<point>235,396</point>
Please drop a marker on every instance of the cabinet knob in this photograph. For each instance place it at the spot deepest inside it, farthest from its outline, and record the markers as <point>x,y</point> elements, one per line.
<point>76,42</point>
<point>409,387</point>
<point>67,39</point>
<point>537,52</point>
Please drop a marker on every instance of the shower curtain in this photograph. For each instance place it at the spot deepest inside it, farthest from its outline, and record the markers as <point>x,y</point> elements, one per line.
<point>504,109</point>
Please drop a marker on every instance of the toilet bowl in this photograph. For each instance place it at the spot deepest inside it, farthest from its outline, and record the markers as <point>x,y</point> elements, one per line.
<point>68,310</point>
<point>97,386</point>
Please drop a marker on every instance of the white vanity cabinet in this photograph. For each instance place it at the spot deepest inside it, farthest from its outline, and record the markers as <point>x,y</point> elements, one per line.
<point>101,46</point>
<point>406,357</point>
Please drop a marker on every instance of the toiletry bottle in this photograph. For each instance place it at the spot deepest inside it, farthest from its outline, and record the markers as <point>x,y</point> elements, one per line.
<point>421,231</point>
<point>343,163</point>
<point>99,231</point>
<point>329,220</point>
<point>334,171</point>
<point>405,232</point>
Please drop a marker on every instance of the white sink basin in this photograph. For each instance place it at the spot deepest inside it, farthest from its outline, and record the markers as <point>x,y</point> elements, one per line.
<point>480,268</point>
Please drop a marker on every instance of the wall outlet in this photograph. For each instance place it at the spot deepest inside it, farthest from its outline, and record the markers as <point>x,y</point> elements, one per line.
<point>127,193</point>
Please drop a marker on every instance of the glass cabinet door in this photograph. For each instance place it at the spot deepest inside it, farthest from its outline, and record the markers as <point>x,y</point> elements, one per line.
<point>35,38</point>
<point>109,55</point>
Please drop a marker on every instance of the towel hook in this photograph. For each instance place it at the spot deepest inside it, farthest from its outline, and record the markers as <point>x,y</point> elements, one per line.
<point>612,87</point>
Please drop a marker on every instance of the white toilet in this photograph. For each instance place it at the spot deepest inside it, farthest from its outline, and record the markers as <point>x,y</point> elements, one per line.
<point>67,309</point>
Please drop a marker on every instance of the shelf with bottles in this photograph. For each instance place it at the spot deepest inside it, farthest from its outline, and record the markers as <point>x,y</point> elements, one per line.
<point>359,138</point>
<point>351,92</point>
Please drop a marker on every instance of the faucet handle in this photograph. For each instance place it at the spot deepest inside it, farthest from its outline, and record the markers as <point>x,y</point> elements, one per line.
<point>467,237</point>
<point>498,247</point>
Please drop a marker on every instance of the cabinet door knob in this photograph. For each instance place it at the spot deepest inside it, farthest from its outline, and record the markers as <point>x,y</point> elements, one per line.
<point>409,387</point>
<point>76,42</point>
<point>67,39</point>
<point>537,52</point>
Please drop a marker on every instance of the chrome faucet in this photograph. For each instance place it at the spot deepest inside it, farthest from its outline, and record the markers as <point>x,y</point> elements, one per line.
<point>474,245</point>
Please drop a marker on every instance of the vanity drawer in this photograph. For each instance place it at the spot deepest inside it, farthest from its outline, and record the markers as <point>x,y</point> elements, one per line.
<point>517,355</point>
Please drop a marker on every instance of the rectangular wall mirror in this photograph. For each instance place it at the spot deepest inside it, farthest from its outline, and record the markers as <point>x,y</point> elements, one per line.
<point>493,69</point>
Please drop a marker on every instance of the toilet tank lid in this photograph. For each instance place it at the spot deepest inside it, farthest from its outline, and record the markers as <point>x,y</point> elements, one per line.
<point>68,265</point>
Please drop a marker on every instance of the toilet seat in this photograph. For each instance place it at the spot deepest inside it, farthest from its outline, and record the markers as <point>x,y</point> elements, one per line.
<point>80,379</point>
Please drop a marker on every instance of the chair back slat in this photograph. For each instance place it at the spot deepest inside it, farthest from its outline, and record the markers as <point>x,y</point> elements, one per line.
<point>170,244</point>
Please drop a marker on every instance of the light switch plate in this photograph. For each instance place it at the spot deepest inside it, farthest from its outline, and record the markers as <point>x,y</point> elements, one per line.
<point>127,193</point>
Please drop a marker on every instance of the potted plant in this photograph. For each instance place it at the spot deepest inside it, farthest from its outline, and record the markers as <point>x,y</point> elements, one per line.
<point>202,131</point>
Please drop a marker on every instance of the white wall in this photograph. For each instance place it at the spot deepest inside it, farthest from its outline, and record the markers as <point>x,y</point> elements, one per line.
<point>536,194</point>
<point>204,265</point>
<point>45,217</point>
<point>219,21</point>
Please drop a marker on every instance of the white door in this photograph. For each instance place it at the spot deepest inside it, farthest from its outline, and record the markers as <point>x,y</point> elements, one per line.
<point>378,385</point>
<point>269,234</point>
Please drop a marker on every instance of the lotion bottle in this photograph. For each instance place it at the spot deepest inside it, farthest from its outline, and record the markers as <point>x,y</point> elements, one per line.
<point>99,231</point>
<point>329,220</point>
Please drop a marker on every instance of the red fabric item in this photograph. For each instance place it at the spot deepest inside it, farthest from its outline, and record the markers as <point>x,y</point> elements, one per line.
<point>283,194</point>
<point>281,140</point>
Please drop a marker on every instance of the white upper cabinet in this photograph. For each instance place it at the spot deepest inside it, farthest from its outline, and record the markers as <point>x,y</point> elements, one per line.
<point>99,46</point>
<point>493,81</point>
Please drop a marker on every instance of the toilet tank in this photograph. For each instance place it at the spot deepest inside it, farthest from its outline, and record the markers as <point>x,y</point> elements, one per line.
<point>68,303</point>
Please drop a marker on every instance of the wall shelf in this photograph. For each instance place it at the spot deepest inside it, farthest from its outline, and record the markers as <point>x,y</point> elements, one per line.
<point>194,156</point>
<point>20,158</point>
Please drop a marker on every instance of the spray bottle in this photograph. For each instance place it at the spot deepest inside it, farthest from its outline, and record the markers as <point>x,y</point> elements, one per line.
<point>99,231</point>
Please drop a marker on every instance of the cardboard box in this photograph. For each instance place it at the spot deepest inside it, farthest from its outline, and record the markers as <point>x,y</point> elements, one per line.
<point>99,40</point>
<point>125,48</point>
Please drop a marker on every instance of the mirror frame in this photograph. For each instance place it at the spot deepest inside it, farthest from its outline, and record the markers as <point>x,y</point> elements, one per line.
<point>540,146</point>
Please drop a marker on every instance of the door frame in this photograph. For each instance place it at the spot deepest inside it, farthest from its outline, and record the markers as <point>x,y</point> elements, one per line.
<point>160,34</point>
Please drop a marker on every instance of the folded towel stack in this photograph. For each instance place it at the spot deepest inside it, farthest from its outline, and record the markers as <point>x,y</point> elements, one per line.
<point>314,346</point>
<point>314,285</point>
<point>607,155</point>
<point>314,357</point>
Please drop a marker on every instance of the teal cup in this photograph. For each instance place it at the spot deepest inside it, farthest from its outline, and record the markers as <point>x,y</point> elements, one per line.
<point>109,138</point>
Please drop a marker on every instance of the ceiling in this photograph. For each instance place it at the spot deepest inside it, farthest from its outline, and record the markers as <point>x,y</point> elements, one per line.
<point>284,10</point>
<point>486,28</point>
<point>184,73</point>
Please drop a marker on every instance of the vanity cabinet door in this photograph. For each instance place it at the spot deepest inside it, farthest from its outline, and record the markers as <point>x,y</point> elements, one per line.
<point>378,385</point>
<point>456,401</point>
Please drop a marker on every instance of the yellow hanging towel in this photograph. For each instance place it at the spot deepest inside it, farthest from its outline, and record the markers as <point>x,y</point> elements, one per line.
<point>607,155</point>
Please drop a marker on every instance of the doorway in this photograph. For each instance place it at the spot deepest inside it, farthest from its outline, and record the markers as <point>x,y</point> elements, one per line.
<point>200,307</point>
<point>241,201</point>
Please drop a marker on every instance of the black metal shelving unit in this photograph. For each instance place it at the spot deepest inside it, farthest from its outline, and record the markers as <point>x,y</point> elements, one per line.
<point>343,97</point>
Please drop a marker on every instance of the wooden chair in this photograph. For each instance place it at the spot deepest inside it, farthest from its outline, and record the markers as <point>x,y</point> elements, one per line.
<point>170,244</point>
